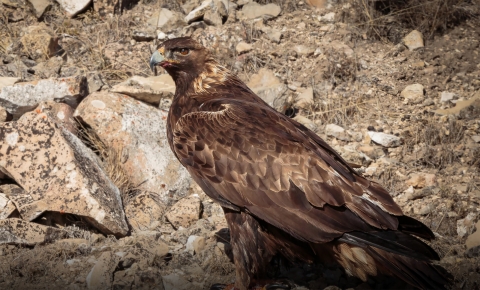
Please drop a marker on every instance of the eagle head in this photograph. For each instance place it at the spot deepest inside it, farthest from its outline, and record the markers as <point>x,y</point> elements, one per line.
<point>180,56</point>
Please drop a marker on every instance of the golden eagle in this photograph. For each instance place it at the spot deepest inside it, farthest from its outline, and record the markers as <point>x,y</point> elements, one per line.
<point>283,189</point>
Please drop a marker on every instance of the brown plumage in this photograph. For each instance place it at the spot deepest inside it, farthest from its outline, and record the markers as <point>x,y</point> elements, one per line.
<point>283,189</point>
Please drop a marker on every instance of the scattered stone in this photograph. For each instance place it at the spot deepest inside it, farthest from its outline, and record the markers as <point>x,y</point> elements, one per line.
<point>19,232</point>
<point>464,226</point>
<point>137,132</point>
<point>460,106</point>
<point>475,138</point>
<point>371,151</point>
<point>3,114</point>
<point>421,180</point>
<point>213,10</point>
<point>268,87</point>
<point>341,47</point>
<point>151,243</point>
<point>101,275</point>
<point>329,17</point>
<point>74,7</point>
<point>61,113</point>
<point>142,36</point>
<point>144,212</point>
<point>150,90</point>
<point>414,40</point>
<point>337,132</point>
<point>38,42</point>
<point>24,97</point>
<point>95,82</point>
<point>176,281</point>
<point>55,167</point>
<point>195,244</point>
<point>39,7</point>
<point>49,69</point>
<point>304,98</point>
<point>274,35</point>
<point>413,94</point>
<point>28,208</point>
<point>8,81</point>
<point>254,10</point>
<point>243,47</point>
<point>386,140</point>
<point>7,207</point>
<point>166,20</point>
<point>317,3</point>
<point>473,243</point>
<point>303,50</point>
<point>447,96</point>
<point>185,212</point>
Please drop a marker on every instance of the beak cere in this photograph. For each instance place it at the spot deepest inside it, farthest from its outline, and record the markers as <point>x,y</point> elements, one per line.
<point>156,58</point>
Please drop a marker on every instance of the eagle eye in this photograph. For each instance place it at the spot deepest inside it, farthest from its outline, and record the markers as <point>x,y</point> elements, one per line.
<point>184,51</point>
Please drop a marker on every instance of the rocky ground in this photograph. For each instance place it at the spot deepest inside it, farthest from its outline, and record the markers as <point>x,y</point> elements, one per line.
<point>91,196</point>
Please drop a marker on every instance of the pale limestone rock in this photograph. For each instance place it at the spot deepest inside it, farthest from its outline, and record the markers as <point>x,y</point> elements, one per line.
<point>7,207</point>
<point>166,20</point>
<point>473,242</point>
<point>413,94</point>
<point>61,113</point>
<point>254,10</point>
<point>177,281</point>
<point>303,50</point>
<point>144,212</point>
<point>268,87</point>
<point>40,6</point>
<point>337,132</point>
<point>185,212</point>
<point>28,207</point>
<point>304,98</point>
<point>447,96</point>
<point>150,90</point>
<point>74,7</point>
<point>195,244</point>
<point>414,40</point>
<point>243,47</point>
<point>3,114</point>
<point>212,11</point>
<point>421,180</point>
<point>101,275</point>
<point>55,167</point>
<point>464,226</point>
<point>329,17</point>
<point>19,232</point>
<point>138,132</point>
<point>386,140</point>
<point>23,97</point>
<point>8,81</point>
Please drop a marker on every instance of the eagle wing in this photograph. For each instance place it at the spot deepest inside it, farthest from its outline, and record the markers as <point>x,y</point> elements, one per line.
<point>246,155</point>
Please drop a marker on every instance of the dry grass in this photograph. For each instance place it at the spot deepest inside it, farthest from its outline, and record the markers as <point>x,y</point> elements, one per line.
<point>437,142</point>
<point>390,19</point>
<point>112,160</point>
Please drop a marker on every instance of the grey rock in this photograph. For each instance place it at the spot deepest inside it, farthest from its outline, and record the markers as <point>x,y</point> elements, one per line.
<point>40,6</point>
<point>337,132</point>
<point>56,168</point>
<point>74,7</point>
<point>447,96</point>
<point>413,94</point>
<point>150,90</point>
<point>268,87</point>
<point>101,275</point>
<point>254,10</point>
<point>166,20</point>
<point>386,140</point>
<point>24,97</point>
<point>137,131</point>
<point>414,40</point>
<point>19,232</point>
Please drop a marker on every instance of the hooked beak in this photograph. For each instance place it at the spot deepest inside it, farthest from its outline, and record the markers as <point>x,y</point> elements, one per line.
<point>156,58</point>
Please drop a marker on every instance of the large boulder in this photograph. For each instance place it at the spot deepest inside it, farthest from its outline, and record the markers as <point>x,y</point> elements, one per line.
<point>23,97</point>
<point>137,132</point>
<point>59,172</point>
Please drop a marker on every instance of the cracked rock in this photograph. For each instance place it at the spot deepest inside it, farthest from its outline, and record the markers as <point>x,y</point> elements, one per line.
<point>56,168</point>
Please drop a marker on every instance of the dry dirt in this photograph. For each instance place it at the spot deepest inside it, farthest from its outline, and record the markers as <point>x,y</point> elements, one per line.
<point>359,93</point>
